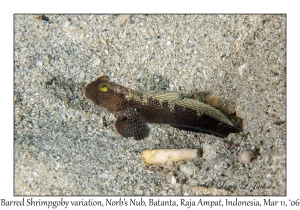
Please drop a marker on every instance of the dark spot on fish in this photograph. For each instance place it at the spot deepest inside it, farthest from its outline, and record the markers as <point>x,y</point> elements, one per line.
<point>134,110</point>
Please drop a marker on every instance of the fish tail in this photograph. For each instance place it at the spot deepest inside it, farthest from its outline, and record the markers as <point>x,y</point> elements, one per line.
<point>237,122</point>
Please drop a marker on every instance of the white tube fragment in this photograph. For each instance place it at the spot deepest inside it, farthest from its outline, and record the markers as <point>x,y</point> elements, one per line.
<point>160,156</point>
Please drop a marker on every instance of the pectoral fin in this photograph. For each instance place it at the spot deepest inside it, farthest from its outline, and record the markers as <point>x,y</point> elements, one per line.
<point>130,124</point>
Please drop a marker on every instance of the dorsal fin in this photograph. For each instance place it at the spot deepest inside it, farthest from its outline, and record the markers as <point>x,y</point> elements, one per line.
<point>202,108</point>
<point>168,97</point>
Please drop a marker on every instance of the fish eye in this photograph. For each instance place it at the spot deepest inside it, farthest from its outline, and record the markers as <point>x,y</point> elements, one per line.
<point>104,88</point>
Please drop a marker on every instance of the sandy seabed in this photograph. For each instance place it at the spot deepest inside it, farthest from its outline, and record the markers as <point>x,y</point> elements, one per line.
<point>63,145</point>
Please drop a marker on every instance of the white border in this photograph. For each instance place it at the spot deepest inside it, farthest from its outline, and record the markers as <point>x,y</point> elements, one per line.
<point>153,6</point>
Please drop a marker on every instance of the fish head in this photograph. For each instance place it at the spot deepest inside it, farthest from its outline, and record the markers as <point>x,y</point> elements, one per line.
<point>100,91</point>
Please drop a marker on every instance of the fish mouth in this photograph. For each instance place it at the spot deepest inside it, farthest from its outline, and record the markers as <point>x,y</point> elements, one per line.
<point>90,93</point>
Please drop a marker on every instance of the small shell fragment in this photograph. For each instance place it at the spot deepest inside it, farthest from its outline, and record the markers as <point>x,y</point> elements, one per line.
<point>160,156</point>
<point>227,144</point>
<point>118,21</point>
<point>246,156</point>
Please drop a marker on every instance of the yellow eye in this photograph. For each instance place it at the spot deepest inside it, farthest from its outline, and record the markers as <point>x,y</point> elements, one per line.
<point>104,88</point>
